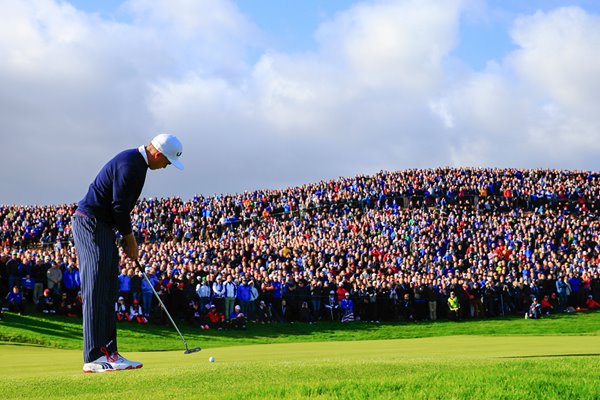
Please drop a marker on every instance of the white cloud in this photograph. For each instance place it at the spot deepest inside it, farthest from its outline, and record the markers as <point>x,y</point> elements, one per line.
<point>537,107</point>
<point>376,93</point>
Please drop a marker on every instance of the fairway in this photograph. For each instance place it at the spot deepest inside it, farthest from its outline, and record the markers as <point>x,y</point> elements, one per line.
<point>435,367</point>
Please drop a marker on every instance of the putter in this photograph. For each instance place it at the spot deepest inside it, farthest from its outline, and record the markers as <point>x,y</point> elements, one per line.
<point>187,349</point>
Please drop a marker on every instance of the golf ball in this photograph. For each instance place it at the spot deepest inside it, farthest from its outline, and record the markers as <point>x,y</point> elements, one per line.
<point>211,359</point>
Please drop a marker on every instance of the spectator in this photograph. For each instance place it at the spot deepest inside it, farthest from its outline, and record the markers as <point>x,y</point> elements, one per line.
<point>136,313</point>
<point>546,306</point>
<point>332,305</point>
<point>15,301</point>
<point>453,307</point>
<point>54,276</point>
<point>535,310</point>
<point>72,280</point>
<point>243,296</point>
<point>47,303</point>
<point>147,293</point>
<point>214,319</point>
<point>407,309</point>
<point>12,269</point>
<point>230,290</point>
<point>237,319</point>
<point>347,306</point>
<point>122,310</point>
<point>591,303</point>
<point>378,237</point>
<point>124,285</point>
<point>254,295</point>
<point>203,292</point>
<point>218,289</point>
<point>72,308</point>
<point>27,286</point>
<point>39,274</point>
<point>263,314</point>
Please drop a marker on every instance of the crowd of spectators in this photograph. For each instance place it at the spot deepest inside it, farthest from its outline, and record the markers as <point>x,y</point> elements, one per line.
<point>409,245</point>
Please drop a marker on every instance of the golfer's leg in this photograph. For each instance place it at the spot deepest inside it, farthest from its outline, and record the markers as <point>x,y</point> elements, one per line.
<point>93,242</point>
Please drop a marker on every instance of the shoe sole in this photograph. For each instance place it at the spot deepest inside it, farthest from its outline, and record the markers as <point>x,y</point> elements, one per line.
<point>111,370</point>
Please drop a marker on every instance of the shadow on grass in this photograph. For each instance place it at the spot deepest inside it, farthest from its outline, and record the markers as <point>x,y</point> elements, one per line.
<point>556,355</point>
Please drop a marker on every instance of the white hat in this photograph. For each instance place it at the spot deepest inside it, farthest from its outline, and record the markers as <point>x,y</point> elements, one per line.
<point>170,147</point>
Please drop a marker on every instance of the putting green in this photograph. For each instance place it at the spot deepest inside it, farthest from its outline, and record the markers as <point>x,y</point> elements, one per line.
<point>455,367</point>
<point>26,361</point>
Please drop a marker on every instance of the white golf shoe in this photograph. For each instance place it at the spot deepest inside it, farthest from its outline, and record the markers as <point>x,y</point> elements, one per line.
<point>109,363</point>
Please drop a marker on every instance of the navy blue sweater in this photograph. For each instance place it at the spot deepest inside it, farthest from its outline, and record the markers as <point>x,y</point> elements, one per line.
<point>114,192</point>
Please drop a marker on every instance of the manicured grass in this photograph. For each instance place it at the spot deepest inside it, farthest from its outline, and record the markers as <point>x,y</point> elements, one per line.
<point>454,367</point>
<point>66,333</point>
<point>554,357</point>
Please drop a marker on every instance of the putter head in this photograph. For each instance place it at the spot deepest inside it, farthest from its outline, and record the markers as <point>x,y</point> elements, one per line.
<point>194,350</point>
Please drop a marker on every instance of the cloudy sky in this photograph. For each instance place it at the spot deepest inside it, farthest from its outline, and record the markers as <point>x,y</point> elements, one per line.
<point>270,94</point>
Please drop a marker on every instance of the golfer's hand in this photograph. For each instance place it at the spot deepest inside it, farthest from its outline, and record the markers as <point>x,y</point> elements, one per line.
<point>130,247</point>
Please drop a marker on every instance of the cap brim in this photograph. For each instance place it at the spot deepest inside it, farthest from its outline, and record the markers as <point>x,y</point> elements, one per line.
<point>178,164</point>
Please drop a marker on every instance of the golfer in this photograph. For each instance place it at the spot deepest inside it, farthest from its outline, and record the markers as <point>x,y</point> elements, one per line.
<point>106,207</point>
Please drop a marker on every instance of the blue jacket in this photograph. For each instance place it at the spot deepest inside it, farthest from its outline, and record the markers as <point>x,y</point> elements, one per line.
<point>145,287</point>
<point>124,283</point>
<point>277,289</point>
<point>243,292</point>
<point>15,298</point>
<point>71,280</point>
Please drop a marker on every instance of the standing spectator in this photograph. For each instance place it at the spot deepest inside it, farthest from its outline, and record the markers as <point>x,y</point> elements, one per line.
<point>218,289</point>
<point>3,276</point>
<point>147,293</point>
<point>230,289</point>
<point>332,305</point>
<point>203,292</point>
<point>254,295</point>
<point>39,273</point>
<point>71,280</point>
<point>54,276</point>
<point>277,297</point>
<point>563,288</point>
<point>453,307</point>
<point>12,269</point>
<point>135,283</point>
<point>243,296</point>
<point>432,302</point>
<point>576,290</point>
<point>407,308</point>
<point>316,293</point>
<point>125,285</point>
<point>27,286</point>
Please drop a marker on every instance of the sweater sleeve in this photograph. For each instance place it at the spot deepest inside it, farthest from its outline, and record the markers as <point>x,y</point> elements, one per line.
<point>127,186</point>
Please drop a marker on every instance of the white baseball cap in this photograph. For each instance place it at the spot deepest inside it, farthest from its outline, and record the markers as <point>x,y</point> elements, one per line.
<point>170,147</point>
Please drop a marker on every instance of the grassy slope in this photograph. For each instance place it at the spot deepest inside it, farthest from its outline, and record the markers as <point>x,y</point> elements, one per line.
<point>66,333</point>
<point>550,358</point>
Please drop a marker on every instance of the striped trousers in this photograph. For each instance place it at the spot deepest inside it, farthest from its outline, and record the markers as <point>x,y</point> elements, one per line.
<point>98,263</point>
